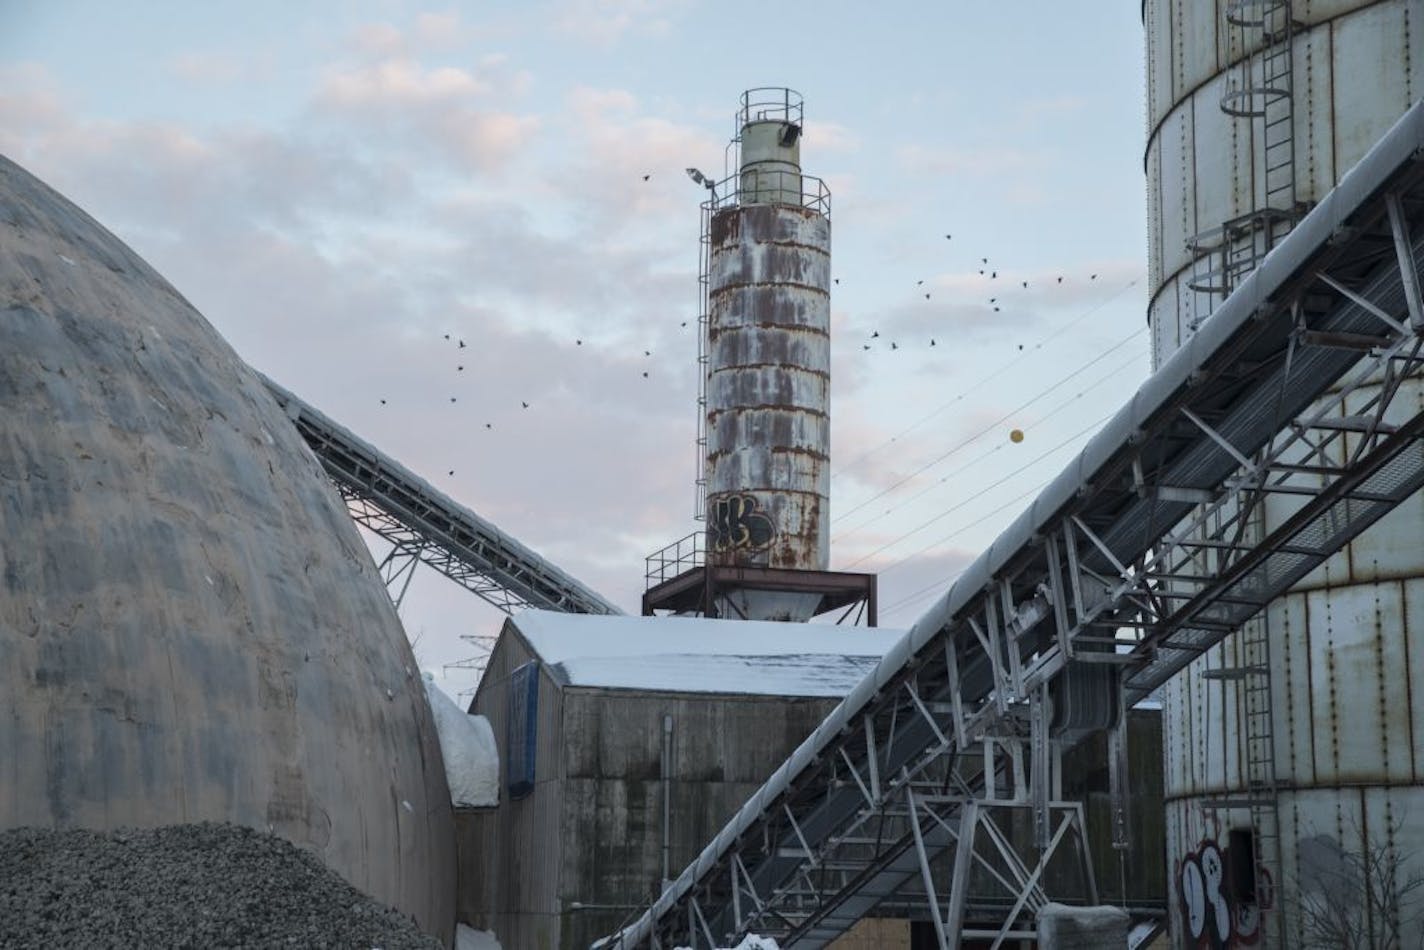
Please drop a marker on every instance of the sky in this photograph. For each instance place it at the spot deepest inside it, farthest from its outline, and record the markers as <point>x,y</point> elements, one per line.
<point>338,186</point>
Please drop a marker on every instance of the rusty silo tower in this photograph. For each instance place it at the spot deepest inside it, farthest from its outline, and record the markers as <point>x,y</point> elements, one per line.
<point>764,363</point>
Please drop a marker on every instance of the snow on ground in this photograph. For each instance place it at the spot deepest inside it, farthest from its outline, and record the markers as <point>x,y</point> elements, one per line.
<point>749,942</point>
<point>467,938</point>
<point>468,747</point>
<point>686,654</point>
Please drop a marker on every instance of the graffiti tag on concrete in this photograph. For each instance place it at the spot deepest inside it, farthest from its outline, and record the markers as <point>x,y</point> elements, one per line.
<point>1214,913</point>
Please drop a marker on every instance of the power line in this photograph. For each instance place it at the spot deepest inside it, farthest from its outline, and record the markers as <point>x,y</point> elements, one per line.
<point>995,424</point>
<point>979,494</point>
<point>981,458</point>
<point>992,375</point>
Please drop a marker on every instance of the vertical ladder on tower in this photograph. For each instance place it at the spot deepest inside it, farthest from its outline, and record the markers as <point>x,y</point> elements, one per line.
<point>1261,90</point>
<point>704,278</point>
<point>1251,676</point>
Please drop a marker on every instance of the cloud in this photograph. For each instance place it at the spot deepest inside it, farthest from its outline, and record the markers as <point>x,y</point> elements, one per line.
<point>605,22</point>
<point>428,32</point>
<point>205,67</point>
<point>987,161</point>
<point>398,84</point>
<point>825,137</point>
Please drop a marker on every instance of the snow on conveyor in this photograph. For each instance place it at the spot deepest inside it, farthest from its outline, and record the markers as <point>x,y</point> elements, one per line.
<point>688,654</point>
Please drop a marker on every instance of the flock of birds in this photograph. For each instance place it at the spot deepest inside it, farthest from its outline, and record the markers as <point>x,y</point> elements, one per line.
<point>984,268</point>
<point>995,301</point>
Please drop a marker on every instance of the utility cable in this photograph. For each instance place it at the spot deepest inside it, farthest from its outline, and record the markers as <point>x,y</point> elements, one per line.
<point>995,424</point>
<point>990,376</point>
<point>979,494</point>
<point>980,459</point>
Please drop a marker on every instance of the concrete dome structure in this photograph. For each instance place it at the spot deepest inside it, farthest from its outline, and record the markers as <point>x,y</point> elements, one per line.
<point>190,626</point>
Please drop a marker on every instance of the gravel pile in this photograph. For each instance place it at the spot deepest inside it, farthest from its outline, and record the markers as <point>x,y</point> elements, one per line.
<point>204,885</point>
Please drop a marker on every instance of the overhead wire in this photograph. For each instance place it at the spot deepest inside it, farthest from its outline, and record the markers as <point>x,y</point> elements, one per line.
<point>989,376</point>
<point>978,494</point>
<point>992,425</point>
<point>921,592</point>
<point>982,457</point>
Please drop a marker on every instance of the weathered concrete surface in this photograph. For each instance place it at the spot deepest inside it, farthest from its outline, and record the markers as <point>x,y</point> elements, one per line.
<point>1061,927</point>
<point>190,627</point>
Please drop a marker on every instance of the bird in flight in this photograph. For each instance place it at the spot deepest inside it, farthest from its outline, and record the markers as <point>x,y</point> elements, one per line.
<point>383,402</point>
<point>1025,283</point>
<point>865,346</point>
<point>462,344</point>
<point>893,345</point>
<point>1092,276</point>
<point>452,398</point>
<point>927,296</point>
<point>459,369</point>
<point>1060,279</point>
<point>932,342</point>
<point>452,471</point>
<point>489,425</point>
<point>524,404</point>
<point>947,237</point>
<point>919,283</point>
<point>579,342</point>
<point>646,177</point>
<point>874,334</point>
<point>645,374</point>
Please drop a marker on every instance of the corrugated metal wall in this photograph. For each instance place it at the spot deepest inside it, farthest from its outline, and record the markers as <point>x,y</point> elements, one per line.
<point>1346,647</point>
<point>510,856</point>
<point>591,831</point>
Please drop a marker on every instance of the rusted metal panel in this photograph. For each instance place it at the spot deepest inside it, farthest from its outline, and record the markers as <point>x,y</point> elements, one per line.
<point>768,387</point>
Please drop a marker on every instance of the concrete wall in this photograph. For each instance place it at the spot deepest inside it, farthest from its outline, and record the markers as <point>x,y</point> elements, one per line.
<point>190,626</point>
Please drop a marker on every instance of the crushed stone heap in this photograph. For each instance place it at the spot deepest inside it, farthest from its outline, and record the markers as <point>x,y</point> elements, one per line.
<point>198,885</point>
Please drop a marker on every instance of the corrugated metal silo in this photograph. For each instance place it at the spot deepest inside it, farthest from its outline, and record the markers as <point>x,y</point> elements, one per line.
<point>768,358</point>
<point>1295,750</point>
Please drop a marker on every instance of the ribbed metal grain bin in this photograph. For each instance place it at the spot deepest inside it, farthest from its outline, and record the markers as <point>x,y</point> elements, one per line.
<point>768,373</point>
<point>191,628</point>
<point>1346,650</point>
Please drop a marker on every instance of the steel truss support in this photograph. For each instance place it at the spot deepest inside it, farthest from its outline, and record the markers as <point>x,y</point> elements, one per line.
<point>1147,550</point>
<point>423,525</point>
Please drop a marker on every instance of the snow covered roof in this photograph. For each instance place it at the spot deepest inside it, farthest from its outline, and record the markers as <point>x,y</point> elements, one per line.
<point>696,655</point>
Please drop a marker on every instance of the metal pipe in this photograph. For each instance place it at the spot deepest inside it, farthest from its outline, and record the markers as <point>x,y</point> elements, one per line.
<point>667,798</point>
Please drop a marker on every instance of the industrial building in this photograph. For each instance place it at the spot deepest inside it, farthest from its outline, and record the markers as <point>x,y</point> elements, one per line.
<point>626,743</point>
<point>1241,540</point>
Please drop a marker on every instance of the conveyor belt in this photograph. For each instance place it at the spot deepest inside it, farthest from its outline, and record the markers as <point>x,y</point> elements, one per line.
<point>388,499</point>
<point>1140,533</point>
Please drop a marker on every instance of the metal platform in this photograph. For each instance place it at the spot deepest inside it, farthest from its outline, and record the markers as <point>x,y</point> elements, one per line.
<point>1131,563</point>
<point>695,590</point>
<point>424,525</point>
